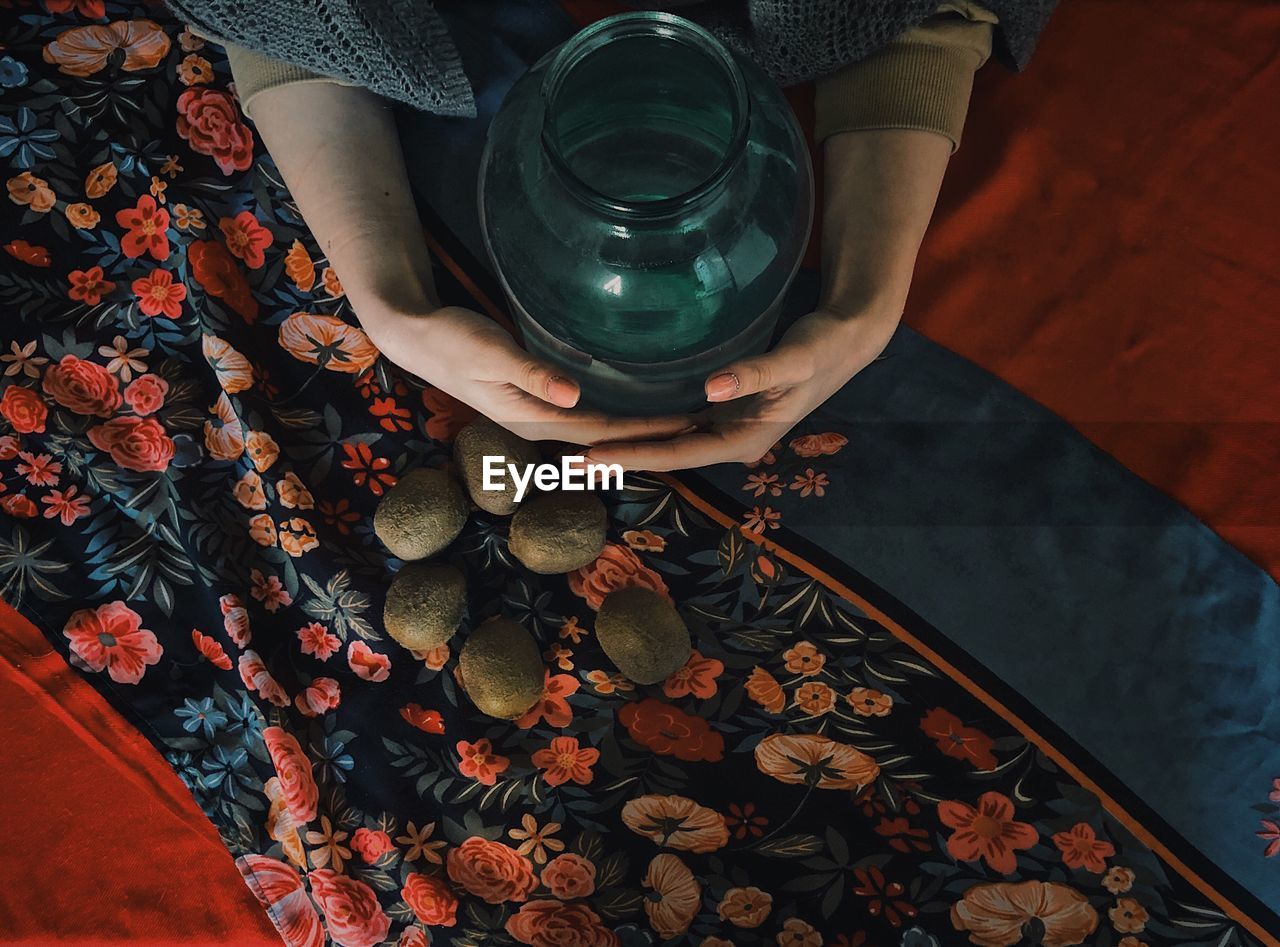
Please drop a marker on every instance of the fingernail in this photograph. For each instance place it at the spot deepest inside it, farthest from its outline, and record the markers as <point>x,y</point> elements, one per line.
<point>722,386</point>
<point>562,391</point>
<point>685,430</point>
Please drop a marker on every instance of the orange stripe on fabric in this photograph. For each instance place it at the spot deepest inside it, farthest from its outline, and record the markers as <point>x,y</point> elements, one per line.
<point>1111,805</point>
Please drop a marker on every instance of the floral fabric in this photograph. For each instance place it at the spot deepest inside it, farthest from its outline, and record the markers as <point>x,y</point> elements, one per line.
<point>195,433</point>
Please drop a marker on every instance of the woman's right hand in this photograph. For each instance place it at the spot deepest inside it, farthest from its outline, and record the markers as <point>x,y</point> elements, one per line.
<point>475,360</point>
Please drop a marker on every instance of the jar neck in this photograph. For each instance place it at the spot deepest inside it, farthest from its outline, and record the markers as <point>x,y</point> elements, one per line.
<point>645,115</point>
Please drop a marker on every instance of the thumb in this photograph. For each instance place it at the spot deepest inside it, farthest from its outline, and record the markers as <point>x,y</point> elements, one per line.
<point>540,380</point>
<point>781,368</point>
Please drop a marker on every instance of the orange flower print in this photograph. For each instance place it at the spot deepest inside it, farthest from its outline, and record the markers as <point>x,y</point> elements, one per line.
<point>616,568</point>
<point>810,759</point>
<point>100,180</point>
<point>210,650</point>
<point>234,372</point>
<point>297,536</point>
<point>145,225</point>
<point>743,821</point>
<point>327,341</point>
<point>673,896</point>
<point>667,730</point>
<point>258,679</point>
<point>159,295</point>
<point>676,822</point>
<point>369,470</point>
<point>82,216</point>
<point>644,540</point>
<point>554,706</point>
<point>224,435</point>
<point>818,445</point>
<point>758,520</point>
<point>697,677</point>
<point>1118,880</point>
<point>430,899</point>
<point>64,505</point>
<point>745,907</point>
<point>988,832</point>
<point>235,620</point>
<point>393,417</point>
<point>958,741</point>
<point>194,70</point>
<point>83,50</point>
<point>491,871</point>
<point>869,703</point>
<point>565,760</point>
<point>815,699</point>
<point>548,923</point>
<point>435,658</point>
<point>262,530</point>
<point>187,218</point>
<point>332,285</point>
<point>248,492</point>
<point>318,698</point>
<point>602,682</point>
<point>339,515</point>
<point>268,590</point>
<point>760,483</point>
<point>293,493</point>
<point>995,915</point>
<point>27,190</point>
<point>246,238</point>
<point>885,897</point>
<point>1130,941</point>
<point>89,286</point>
<point>572,630</point>
<point>157,188</point>
<point>534,841</point>
<point>804,659</point>
<point>262,449</point>
<point>428,721</point>
<point>1081,848</point>
<point>368,664</point>
<point>798,933</point>
<point>448,414</point>
<point>28,253</point>
<point>811,483</point>
<point>299,267</point>
<point>569,876</point>
<point>316,640</point>
<point>111,638</point>
<point>559,655</point>
<point>764,689</point>
<point>1128,916</point>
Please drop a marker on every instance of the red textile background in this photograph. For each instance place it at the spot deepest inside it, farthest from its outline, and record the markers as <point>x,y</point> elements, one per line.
<point>1106,242</point>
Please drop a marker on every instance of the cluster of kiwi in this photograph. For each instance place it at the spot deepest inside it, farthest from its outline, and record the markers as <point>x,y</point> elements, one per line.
<point>500,666</point>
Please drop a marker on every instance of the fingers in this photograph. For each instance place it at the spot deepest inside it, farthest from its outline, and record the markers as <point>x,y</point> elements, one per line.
<point>698,449</point>
<point>537,378</point>
<point>781,368</point>
<point>537,421</point>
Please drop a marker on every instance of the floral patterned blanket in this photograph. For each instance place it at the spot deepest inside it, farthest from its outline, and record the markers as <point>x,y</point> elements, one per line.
<point>195,433</point>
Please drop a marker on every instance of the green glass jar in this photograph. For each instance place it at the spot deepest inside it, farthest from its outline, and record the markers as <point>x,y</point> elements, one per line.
<point>645,197</point>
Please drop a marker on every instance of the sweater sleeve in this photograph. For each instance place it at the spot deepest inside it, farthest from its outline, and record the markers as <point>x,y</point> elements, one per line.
<point>922,80</point>
<point>253,73</point>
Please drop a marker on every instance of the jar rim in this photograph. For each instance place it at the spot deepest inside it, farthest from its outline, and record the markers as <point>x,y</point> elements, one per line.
<point>645,23</point>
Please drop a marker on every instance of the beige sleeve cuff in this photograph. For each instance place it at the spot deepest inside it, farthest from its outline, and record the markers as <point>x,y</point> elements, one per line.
<point>920,81</point>
<point>254,73</point>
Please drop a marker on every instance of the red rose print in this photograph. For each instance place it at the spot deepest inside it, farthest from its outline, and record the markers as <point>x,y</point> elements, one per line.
<point>367,663</point>
<point>111,637</point>
<point>9,445</point>
<point>351,910</point>
<point>83,387</point>
<point>669,731</point>
<point>145,394</point>
<point>215,270</point>
<point>320,697</point>
<point>370,844</point>
<point>134,443</point>
<point>491,871</point>
<point>24,409</point>
<point>616,568</point>
<point>556,924</point>
<point>257,678</point>
<point>301,797</point>
<point>146,223</point>
<point>209,121</point>
<point>431,900</point>
<point>19,505</point>
<point>280,890</point>
<point>569,876</point>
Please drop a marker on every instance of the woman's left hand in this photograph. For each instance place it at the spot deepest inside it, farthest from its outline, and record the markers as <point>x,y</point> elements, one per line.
<point>756,401</point>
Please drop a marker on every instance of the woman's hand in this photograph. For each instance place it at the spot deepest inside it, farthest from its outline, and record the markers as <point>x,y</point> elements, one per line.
<point>474,359</point>
<point>756,401</point>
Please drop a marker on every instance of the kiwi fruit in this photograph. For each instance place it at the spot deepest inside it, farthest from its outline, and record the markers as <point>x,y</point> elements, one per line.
<point>421,514</point>
<point>425,604</point>
<point>501,669</point>
<point>643,634</point>
<point>483,438</point>
<point>558,532</point>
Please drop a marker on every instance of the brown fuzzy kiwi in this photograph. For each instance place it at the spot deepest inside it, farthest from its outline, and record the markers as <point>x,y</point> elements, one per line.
<point>425,603</point>
<point>483,438</point>
<point>421,514</point>
<point>558,532</point>
<point>501,669</point>
<point>643,634</point>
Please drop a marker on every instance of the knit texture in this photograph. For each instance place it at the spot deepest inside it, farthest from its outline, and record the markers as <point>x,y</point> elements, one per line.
<point>402,49</point>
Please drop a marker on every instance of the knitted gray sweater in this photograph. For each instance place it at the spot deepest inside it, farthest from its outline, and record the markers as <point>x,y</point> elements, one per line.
<point>401,48</point>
